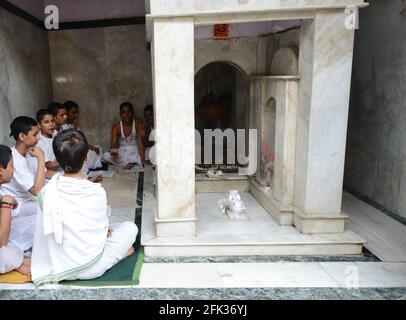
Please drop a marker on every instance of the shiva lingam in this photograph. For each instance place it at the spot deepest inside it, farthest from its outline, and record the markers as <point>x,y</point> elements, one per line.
<point>233,207</point>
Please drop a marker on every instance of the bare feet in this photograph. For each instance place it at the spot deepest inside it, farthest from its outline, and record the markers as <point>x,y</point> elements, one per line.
<point>27,261</point>
<point>129,166</point>
<point>25,267</point>
<point>96,179</point>
<point>130,251</point>
<point>114,151</point>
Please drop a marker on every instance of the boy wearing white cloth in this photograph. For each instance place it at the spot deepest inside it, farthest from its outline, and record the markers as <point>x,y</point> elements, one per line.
<point>127,148</point>
<point>72,237</point>
<point>28,179</point>
<point>60,114</point>
<point>11,258</point>
<point>47,125</point>
<point>94,157</point>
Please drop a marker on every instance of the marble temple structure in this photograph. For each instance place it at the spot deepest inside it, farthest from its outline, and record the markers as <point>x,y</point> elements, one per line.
<point>300,112</point>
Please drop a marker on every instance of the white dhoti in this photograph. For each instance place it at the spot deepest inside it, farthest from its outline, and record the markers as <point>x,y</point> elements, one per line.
<point>150,154</point>
<point>115,250</point>
<point>147,154</point>
<point>23,225</point>
<point>126,155</point>
<point>11,258</point>
<point>94,160</point>
<point>71,232</point>
<point>128,151</point>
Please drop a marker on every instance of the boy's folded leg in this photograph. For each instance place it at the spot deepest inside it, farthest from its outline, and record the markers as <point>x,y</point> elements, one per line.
<point>116,249</point>
<point>94,159</point>
<point>118,160</point>
<point>11,258</point>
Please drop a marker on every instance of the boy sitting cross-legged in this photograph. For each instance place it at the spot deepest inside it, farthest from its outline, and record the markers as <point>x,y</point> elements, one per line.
<point>46,122</point>
<point>27,181</point>
<point>11,257</point>
<point>72,237</point>
<point>94,157</point>
<point>127,148</point>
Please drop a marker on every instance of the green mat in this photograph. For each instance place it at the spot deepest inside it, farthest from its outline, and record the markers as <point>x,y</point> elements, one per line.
<point>126,272</point>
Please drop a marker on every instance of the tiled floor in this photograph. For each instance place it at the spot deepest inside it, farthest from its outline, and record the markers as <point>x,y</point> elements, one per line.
<point>386,237</point>
<point>266,275</point>
<point>208,294</point>
<point>274,275</point>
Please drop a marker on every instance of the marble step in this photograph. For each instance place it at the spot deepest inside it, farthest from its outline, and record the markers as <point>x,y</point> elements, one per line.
<point>231,182</point>
<point>347,243</point>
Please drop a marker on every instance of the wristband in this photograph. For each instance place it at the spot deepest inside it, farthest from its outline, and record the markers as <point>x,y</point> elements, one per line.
<point>12,205</point>
<point>6,207</point>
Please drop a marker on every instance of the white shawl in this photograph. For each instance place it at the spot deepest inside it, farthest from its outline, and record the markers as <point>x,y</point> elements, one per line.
<point>71,229</point>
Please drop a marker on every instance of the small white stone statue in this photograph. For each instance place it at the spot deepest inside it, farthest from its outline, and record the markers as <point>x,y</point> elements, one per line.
<point>214,173</point>
<point>233,207</point>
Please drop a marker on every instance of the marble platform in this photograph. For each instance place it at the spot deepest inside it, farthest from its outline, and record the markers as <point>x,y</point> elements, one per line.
<point>218,236</point>
<point>224,183</point>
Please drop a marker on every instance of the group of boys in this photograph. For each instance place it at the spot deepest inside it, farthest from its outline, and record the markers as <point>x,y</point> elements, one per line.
<point>53,220</point>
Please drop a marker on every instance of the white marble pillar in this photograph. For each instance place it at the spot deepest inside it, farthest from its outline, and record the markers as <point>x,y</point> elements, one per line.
<point>277,114</point>
<point>325,64</point>
<point>173,78</point>
<point>265,140</point>
<point>286,95</point>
